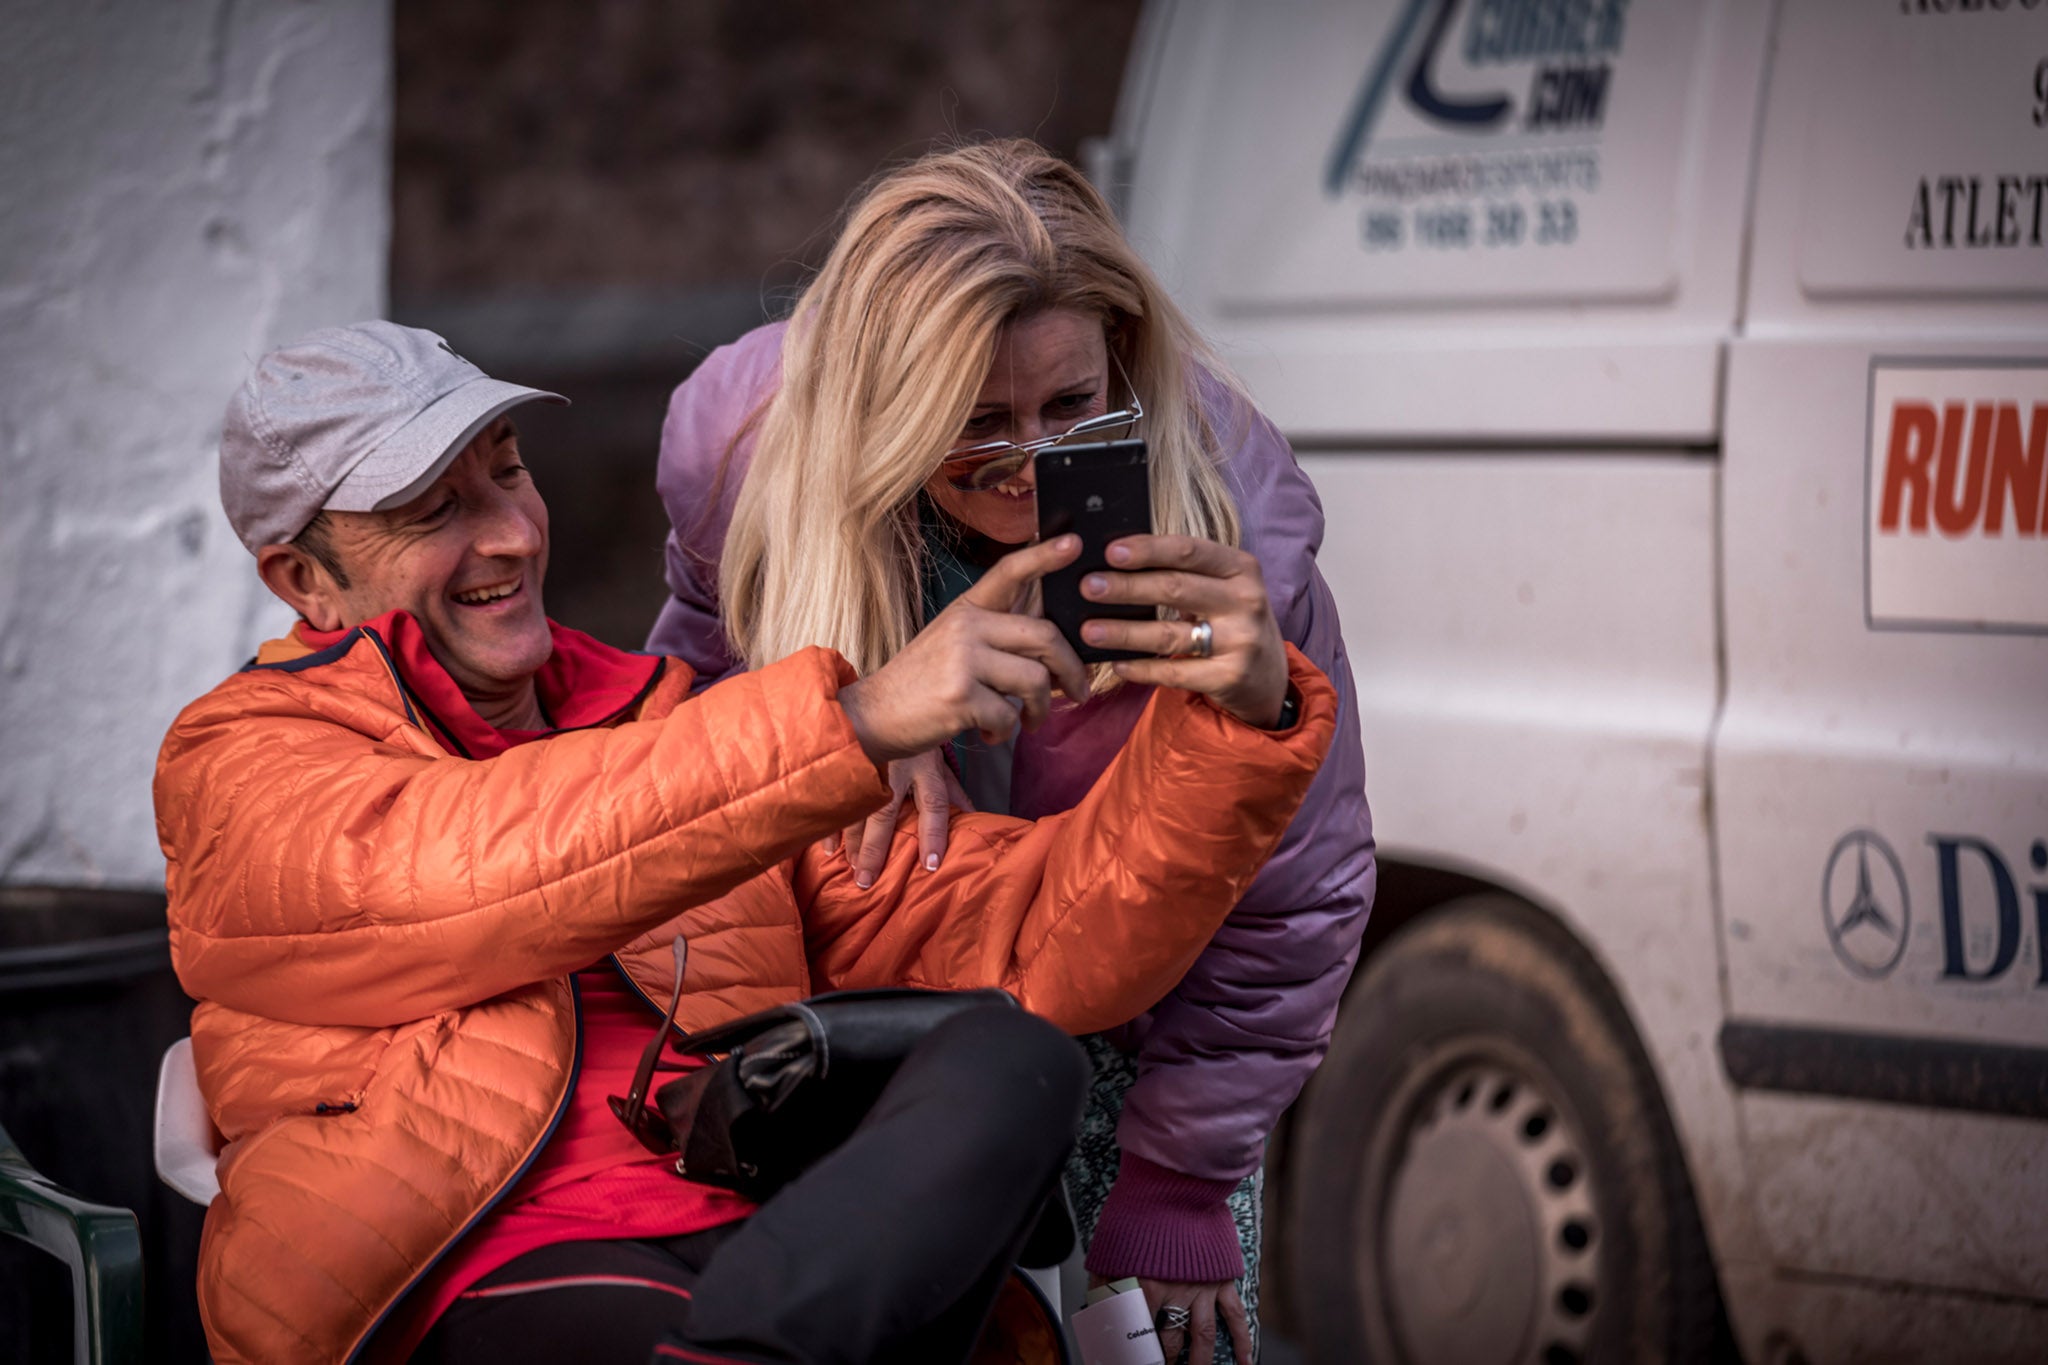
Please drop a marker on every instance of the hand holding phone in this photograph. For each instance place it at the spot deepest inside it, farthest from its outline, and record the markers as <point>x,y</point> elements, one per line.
<point>1244,668</point>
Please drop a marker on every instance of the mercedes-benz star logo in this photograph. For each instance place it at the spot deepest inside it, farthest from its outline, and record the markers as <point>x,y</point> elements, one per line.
<point>1863,901</point>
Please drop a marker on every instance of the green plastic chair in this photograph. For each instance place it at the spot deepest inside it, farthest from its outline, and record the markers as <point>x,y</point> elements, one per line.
<point>101,1245</point>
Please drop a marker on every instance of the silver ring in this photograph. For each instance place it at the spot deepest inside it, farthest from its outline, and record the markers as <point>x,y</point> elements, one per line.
<point>1172,1318</point>
<point>1201,641</point>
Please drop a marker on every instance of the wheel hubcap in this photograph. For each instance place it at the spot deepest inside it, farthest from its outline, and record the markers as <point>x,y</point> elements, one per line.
<point>1489,1251</point>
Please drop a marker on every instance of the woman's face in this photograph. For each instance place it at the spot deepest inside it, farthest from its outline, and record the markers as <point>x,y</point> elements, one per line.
<point>1050,370</point>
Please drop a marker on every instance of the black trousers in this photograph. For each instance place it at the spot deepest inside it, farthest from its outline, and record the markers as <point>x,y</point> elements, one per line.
<point>892,1248</point>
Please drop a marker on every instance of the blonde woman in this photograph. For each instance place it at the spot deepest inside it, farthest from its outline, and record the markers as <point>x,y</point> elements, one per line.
<point>837,479</point>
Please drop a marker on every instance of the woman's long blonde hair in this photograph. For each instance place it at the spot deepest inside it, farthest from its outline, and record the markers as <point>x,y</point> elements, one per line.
<point>885,354</point>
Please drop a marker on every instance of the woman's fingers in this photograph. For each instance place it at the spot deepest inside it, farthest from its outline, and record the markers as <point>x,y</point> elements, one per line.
<point>867,842</point>
<point>956,794</point>
<point>1190,554</point>
<point>1202,1327</point>
<point>1158,1294</point>
<point>873,849</point>
<point>1245,668</point>
<point>1164,638</point>
<point>1205,676</point>
<point>1238,1323</point>
<point>937,795</point>
<point>929,785</point>
<point>1190,594</point>
<point>1195,576</point>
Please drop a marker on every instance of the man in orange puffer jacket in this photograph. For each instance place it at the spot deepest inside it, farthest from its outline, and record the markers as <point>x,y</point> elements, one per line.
<point>428,856</point>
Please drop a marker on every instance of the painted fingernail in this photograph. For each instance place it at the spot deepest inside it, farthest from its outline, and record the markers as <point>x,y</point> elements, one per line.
<point>931,862</point>
<point>863,879</point>
<point>1119,554</point>
<point>1094,634</point>
<point>1095,585</point>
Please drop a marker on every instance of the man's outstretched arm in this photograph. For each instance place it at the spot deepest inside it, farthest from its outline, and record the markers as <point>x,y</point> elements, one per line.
<point>320,876</point>
<point>1091,916</point>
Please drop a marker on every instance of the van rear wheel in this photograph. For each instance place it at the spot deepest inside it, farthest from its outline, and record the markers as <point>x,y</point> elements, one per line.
<point>1485,1172</point>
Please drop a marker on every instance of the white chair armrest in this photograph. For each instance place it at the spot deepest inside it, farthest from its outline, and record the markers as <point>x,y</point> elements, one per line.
<point>186,1145</point>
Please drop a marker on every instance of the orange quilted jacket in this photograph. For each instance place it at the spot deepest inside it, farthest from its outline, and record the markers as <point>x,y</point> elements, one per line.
<point>380,933</point>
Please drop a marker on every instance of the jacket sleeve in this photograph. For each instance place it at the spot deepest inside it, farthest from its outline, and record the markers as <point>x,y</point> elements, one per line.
<point>706,445</point>
<point>318,875</point>
<point>1229,1049</point>
<point>1090,916</point>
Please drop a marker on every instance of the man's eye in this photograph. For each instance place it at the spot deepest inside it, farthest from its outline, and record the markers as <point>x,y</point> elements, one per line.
<point>510,470</point>
<point>439,511</point>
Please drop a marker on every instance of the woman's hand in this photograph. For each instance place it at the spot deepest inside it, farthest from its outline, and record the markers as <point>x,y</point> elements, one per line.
<point>1204,1304</point>
<point>1246,671</point>
<point>976,666</point>
<point>930,784</point>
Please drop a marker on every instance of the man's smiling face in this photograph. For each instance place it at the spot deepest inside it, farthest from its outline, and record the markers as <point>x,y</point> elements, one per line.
<point>465,558</point>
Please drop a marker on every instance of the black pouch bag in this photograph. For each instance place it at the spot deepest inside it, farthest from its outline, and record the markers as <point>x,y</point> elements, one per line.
<point>789,1084</point>
<point>785,1086</point>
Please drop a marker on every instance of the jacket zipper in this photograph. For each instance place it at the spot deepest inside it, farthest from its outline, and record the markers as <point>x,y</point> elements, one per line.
<point>576,1053</point>
<point>554,1122</point>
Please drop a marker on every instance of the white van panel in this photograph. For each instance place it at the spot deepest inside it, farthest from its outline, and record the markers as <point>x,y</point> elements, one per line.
<point>1406,210</point>
<point>1903,182</point>
<point>1972,1228</point>
<point>1370,270</point>
<point>1833,726</point>
<point>1701,709</point>
<point>1881,796</point>
<point>1533,642</point>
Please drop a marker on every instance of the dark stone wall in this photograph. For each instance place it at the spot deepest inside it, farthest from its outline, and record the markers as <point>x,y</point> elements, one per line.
<point>588,198</point>
<point>691,143</point>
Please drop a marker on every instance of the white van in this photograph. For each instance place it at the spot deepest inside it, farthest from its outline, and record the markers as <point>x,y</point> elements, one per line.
<point>1675,377</point>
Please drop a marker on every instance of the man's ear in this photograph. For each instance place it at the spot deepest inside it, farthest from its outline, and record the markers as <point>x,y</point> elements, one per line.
<point>302,583</point>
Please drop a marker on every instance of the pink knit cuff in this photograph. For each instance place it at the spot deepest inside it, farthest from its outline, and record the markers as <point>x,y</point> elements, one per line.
<point>1164,1225</point>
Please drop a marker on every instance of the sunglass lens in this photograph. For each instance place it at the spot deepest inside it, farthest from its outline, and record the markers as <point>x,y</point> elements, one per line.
<point>989,472</point>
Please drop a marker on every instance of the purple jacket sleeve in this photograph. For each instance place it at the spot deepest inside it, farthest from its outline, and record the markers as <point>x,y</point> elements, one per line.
<point>706,444</point>
<point>1230,1048</point>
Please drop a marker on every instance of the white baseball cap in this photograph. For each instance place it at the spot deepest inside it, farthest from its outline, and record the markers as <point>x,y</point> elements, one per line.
<point>350,419</point>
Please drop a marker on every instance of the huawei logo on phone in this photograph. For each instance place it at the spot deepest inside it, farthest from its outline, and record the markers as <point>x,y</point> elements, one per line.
<point>1094,503</point>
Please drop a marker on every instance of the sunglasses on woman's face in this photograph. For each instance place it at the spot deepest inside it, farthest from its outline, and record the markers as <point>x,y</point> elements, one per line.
<point>984,466</point>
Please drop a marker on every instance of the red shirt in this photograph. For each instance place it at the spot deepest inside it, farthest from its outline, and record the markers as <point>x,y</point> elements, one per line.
<point>591,1179</point>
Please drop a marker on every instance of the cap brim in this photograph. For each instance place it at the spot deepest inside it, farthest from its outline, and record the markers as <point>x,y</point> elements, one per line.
<point>400,470</point>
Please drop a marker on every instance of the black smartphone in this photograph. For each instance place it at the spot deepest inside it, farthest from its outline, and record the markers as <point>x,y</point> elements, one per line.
<point>1102,491</point>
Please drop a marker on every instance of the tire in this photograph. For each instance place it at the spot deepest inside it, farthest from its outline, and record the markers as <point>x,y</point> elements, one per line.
<point>1485,1173</point>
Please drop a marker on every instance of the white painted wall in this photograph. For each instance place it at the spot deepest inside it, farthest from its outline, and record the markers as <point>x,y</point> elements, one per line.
<point>182,187</point>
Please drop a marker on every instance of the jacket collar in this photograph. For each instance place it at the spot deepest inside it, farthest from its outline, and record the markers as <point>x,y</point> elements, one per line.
<point>584,683</point>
